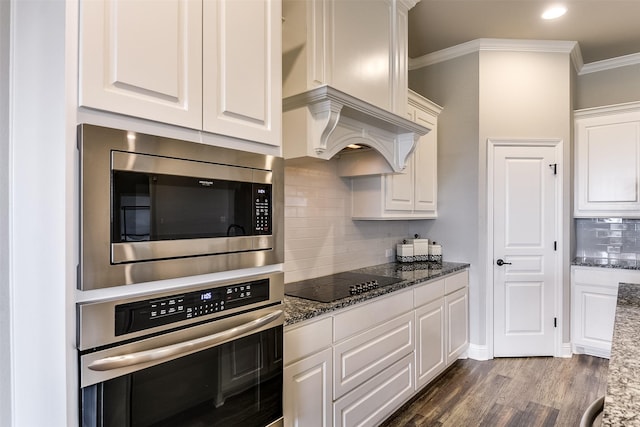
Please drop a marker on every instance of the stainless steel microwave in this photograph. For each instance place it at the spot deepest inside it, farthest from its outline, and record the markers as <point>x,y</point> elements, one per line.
<point>156,208</point>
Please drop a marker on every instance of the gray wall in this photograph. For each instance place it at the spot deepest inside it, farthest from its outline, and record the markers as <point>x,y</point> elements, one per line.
<point>5,347</point>
<point>454,85</point>
<point>491,95</point>
<point>608,87</point>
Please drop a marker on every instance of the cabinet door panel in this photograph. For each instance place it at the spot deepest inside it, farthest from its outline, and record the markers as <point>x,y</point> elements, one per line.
<point>307,392</point>
<point>425,166</point>
<point>612,163</point>
<point>430,342</point>
<point>242,69</point>
<point>148,68</point>
<point>399,194</point>
<point>457,306</point>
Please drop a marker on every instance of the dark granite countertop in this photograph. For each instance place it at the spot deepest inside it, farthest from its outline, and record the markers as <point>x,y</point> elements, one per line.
<point>606,263</point>
<point>299,309</point>
<point>622,401</point>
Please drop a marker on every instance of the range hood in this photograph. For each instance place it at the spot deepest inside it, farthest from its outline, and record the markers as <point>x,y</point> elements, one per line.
<point>324,121</point>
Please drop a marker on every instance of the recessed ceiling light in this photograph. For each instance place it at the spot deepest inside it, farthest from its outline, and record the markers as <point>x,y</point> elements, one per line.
<point>553,12</point>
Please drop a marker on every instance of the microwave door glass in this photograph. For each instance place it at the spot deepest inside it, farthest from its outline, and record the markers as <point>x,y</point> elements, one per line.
<point>152,207</point>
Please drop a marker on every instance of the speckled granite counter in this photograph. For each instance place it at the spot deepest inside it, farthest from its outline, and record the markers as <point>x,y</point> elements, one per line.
<point>622,401</point>
<point>607,263</point>
<point>299,309</point>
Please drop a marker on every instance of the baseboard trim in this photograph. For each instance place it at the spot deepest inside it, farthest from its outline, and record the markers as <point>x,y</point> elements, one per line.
<point>565,350</point>
<point>478,352</point>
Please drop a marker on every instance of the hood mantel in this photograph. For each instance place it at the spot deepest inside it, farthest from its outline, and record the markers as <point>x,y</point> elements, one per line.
<point>329,120</point>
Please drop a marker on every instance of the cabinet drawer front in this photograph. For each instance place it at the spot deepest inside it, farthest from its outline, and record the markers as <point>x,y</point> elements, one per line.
<point>307,339</point>
<point>427,293</point>
<point>358,359</point>
<point>362,317</point>
<point>377,399</point>
<point>455,282</point>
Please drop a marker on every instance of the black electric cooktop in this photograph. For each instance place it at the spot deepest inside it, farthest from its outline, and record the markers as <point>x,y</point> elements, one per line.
<point>337,286</point>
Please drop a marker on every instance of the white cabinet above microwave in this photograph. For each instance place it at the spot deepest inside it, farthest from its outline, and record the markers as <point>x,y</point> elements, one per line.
<point>206,65</point>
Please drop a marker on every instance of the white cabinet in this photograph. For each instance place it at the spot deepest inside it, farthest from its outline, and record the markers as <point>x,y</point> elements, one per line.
<point>594,292</point>
<point>607,151</point>
<point>442,325</point>
<point>413,193</point>
<point>308,375</point>
<point>358,366</point>
<point>357,47</point>
<point>206,65</point>
<point>143,59</point>
<point>457,315</point>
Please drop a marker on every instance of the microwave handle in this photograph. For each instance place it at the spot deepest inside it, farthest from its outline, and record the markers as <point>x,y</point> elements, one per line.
<point>116,362</point>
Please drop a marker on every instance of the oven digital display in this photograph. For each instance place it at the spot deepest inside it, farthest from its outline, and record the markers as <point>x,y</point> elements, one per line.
<point>146,314</point>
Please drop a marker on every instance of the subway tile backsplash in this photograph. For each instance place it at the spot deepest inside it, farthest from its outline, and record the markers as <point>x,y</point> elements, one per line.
<point>613,238</point>
<point>320,236</point>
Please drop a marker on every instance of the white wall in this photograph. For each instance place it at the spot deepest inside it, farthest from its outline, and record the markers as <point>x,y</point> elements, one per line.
<point>320,236</point>
<point>41,217</point>
<point>5,306</point>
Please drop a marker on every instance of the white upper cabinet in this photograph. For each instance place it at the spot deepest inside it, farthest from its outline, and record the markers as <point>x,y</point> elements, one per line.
<point>357,47</point>
<point>212,65</point>
<point>242,61</point>
<point>143,59</point>
<point>413,193</point>
<point>607,150</point>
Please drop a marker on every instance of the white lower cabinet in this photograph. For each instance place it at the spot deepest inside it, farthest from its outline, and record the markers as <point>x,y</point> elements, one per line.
<point>594,295</point>
<point>358,366</point>
<point>376,399</point>
<point>430,342</point>
<point>307,391</point>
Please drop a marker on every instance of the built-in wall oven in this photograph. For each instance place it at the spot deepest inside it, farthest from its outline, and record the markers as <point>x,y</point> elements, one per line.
<point>156,208</point>
<point>204,356</point>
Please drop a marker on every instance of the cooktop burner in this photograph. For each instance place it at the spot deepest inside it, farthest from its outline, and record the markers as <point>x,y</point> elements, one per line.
<point>337,286</point>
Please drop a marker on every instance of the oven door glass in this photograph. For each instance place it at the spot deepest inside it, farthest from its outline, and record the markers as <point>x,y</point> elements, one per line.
<point>235,384</point>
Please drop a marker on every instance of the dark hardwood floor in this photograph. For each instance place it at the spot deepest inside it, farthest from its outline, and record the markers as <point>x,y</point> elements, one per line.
<point>527,392</point>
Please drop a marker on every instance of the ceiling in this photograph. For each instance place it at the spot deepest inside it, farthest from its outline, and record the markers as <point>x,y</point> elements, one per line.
<point>604,29</point>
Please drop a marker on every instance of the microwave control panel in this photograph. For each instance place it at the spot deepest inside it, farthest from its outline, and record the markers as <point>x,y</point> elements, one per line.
<point>147,314</point>
<point>262,209</point>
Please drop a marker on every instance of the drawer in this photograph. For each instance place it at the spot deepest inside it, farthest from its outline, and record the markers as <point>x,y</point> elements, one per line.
<point>428,292</point>
<point>308,338</point>
<point>456,281</point>
<point>364,316</point>
<point>375,400</point>
<point>604,276</point>
<point>360,358</point>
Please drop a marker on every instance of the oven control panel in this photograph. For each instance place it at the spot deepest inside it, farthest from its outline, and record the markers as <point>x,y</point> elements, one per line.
<point>147,314</point>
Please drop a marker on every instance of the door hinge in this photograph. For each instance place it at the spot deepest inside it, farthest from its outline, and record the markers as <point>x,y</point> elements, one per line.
<point>554,166</point>
<point>555,245</point>
<point>555,322</point>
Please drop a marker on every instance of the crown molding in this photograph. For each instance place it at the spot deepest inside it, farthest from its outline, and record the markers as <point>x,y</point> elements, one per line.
<point>609,64</point>
<point>503,45</point>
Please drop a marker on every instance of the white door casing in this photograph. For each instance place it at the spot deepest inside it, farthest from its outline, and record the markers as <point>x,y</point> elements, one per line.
<point>524,223</point>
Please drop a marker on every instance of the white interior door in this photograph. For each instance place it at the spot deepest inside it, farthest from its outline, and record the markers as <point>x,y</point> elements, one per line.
<point>524,234</point>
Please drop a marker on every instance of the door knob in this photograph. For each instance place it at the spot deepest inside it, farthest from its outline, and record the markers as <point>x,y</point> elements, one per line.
<point>501,262</point>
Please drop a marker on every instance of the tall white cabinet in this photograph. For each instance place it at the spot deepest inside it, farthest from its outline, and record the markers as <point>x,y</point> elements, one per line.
<point>212,65</point>
<point>412,194</point>
<point>607,150</point>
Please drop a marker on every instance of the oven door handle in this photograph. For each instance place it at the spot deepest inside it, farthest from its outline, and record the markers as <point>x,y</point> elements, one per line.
<point>116,362</point>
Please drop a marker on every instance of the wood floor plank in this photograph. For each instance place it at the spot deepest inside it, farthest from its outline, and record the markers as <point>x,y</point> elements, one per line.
<point>508,392</point>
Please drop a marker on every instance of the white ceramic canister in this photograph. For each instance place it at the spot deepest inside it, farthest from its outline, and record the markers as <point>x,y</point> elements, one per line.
<point>404,252</point>
<point>420,249</point>
<point>435,253</point>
